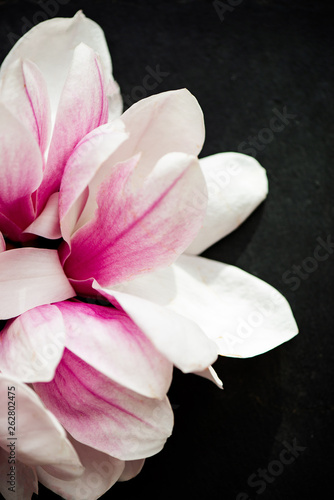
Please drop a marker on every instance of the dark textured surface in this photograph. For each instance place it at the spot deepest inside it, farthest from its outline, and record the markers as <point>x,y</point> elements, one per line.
<point>263,56</point>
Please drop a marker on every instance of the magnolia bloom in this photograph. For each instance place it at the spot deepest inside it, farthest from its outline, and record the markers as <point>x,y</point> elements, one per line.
<point>79,359</point>
<point>133,206</point>
<point>45,110</point>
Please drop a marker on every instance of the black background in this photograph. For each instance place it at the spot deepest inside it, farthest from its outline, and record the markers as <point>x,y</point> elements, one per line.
<point>263,55</point>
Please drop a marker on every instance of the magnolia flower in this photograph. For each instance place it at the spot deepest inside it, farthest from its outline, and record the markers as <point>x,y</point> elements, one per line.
<point>130,207</point>
<point>79,359</point>
<point>45,111</point>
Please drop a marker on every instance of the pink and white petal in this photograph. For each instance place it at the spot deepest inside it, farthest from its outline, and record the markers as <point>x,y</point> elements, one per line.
<point>178,338</point>
<point>2,243</point>
<point>31,277</point>
<point>24,482</point>
<point>236,185</point>
<point>23,91</point>
<point>109,341</point>
<point>32,344</point>
<point>51,44</point>
<point>81,167</point>
<point>47,223</point>
<point>157,125</point>
<point>40,437</point>
<point>104,415</point>
<point>244,315</point>
<point>131,469</point>
<point>210,374</point>
<point>137,229</point>
<point>12,230</point>
<point>21,169</point>
<point>101,471</point>
<point>82,108</point>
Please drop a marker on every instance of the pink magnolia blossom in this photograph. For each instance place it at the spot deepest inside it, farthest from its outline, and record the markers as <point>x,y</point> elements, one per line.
<point>45,111</point>
<point>134,207</point>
